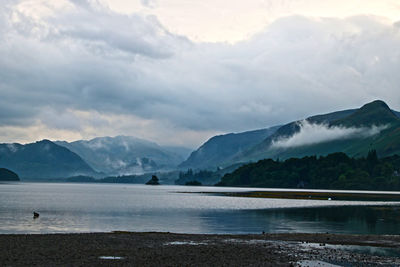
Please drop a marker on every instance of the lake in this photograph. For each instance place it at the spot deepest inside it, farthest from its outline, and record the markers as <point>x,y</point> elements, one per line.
<point>69,207</point>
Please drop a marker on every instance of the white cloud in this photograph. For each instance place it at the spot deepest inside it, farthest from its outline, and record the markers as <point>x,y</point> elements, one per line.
<point>149,3</point>
<point>134,77</point>
<point>312,133</point>
<point>95,27</point>
<point>236,20</point>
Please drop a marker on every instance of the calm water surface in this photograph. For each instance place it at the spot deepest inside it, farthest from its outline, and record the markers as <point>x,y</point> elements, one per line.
<point>110,207</point>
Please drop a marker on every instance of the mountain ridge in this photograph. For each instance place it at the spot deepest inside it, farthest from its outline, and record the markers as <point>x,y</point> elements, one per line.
<point>370,115</point>
<point>373,113</point>
<point>218,149</point>
<point>42,159</point>
<point>208,161</point>
<point>372,126</point>
<point>125,155</point>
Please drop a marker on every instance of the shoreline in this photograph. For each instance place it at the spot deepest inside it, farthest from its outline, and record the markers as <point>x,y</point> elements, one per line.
<point>311,194</point>
<point>171,249</point>
<point>319,195</point>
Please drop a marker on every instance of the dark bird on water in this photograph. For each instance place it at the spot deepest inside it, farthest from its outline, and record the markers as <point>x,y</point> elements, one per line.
<point>35,215</point>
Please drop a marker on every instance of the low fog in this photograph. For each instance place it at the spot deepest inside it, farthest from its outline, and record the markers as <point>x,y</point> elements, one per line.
<point>312,133</point>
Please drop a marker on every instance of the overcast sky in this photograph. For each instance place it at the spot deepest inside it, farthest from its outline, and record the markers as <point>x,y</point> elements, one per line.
<point>178,72</point>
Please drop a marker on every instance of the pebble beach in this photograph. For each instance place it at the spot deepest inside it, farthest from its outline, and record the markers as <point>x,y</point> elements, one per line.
<point>169,249</point>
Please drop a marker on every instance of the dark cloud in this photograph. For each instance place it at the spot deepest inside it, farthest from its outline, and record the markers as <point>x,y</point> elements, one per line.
<point>103,32</point>
<point>89,58</point>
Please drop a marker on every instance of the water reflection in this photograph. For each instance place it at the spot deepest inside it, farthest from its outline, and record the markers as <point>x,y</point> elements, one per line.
<point>94,208</point>
<point>345,219</point>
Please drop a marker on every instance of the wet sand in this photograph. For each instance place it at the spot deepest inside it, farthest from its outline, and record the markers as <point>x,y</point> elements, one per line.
<point>167,249</point>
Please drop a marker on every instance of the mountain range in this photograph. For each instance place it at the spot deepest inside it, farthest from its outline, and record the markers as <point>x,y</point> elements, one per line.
<point>123,155</point>
<point>353,131</point>
<point>220,149</point>
<point>42,160</point>
<point>374,126</point>
<point>99,157</point>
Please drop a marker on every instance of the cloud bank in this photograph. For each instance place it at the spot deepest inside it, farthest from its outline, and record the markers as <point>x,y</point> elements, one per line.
<point>312,133</point>
<point>77,69</point>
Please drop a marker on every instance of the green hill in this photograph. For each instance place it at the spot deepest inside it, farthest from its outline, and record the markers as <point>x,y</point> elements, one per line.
<point>42,160</point>
<point>7,175</point>
<point>373,126</point>
<point>220,149</point>
<point>225,150</point>
<point>374,113</point>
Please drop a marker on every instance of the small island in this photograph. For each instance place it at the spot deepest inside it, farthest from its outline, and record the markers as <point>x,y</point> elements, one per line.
<point>193,183</point>
<point>7,175</point>
<point>153,181</point>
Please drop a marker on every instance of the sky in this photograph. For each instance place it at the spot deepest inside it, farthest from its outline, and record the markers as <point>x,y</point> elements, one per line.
<point>178,72</point>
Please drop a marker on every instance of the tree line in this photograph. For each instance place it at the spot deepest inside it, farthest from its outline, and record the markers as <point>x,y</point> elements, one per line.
<point>334,171</point>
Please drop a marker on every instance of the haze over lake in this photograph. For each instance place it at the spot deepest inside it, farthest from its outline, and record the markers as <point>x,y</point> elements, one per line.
<point>109,207</point>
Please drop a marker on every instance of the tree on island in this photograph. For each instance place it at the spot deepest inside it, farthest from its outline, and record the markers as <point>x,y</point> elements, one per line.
<point>195,182</point>
<point>153,181</point>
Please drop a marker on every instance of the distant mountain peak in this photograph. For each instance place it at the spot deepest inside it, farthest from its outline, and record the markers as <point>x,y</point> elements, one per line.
<point>353,131</point>
<point>42,159</point>
<point>374,113</point>
<point>219,149</point>
<point>44,141</point>
<point>120,155</point>
<point>376,103</point>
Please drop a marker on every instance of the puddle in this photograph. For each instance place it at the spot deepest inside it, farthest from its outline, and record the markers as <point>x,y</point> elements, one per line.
<point>369,250</point>
<point>192,243</point>
<point>252,241</point>
<point>111,258</point>
<point>310,263</point>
